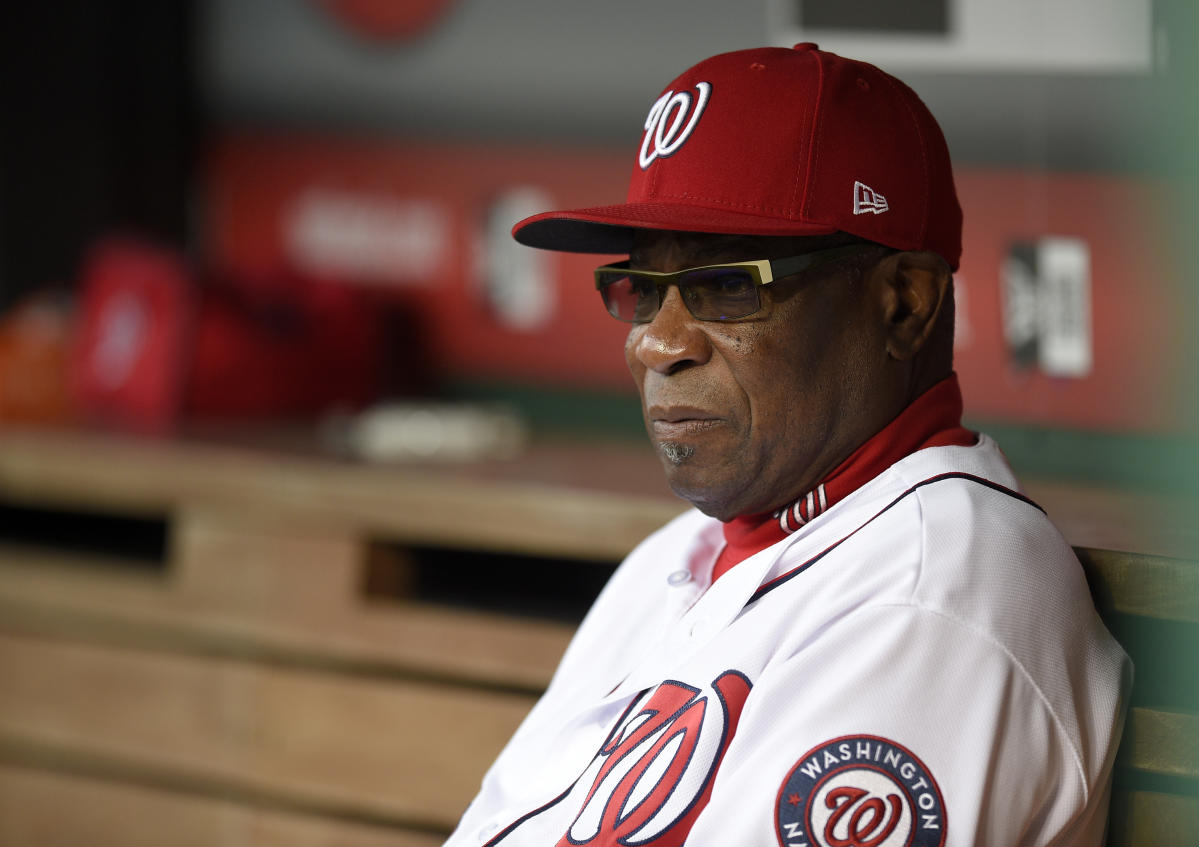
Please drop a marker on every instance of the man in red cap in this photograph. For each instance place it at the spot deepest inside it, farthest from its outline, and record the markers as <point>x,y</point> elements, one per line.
<point>863,635</point>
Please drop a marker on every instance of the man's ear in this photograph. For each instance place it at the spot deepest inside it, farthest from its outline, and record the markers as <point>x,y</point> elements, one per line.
<point>913,287</point>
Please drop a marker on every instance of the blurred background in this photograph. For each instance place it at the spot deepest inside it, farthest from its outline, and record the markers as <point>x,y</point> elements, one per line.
<point>307,470</point>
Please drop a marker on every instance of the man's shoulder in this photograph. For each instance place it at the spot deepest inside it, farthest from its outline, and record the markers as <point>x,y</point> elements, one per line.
<point>947,531</point>
<point>973,533</point>
<point>992,560</point>
<point>972,515</point>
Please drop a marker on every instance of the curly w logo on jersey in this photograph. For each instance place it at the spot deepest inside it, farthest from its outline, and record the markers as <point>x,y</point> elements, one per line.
<point>654,776</point>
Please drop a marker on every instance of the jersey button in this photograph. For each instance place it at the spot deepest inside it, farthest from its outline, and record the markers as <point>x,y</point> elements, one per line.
<point>488,831</point>
<point>679,577</point>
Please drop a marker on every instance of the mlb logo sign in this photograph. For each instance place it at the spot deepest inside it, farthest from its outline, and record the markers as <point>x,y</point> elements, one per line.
<point>1046,286</point>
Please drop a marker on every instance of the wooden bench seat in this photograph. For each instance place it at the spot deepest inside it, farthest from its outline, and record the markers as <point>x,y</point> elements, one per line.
<point>1151,604</point>
<point>384,715</point>
<point>41,806</point>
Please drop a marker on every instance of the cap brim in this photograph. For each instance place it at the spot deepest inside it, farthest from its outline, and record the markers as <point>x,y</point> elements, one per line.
<point>610,229</point>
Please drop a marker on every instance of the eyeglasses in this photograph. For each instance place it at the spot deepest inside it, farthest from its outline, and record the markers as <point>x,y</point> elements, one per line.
<point>711,293</point>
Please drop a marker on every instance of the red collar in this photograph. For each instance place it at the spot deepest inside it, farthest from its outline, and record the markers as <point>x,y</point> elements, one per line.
<point>932,420</point>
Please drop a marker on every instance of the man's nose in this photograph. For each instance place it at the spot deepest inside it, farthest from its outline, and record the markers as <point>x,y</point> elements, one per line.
<point>674,339</point>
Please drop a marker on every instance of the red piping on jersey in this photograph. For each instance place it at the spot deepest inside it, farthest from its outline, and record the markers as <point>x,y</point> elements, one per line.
<point>934,419</point>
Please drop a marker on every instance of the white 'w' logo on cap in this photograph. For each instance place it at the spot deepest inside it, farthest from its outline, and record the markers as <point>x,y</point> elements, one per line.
<point>866,199</point>
<point>665,138</point>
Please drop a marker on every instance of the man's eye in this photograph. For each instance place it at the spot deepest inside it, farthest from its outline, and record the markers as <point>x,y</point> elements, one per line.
<point>730,282</point>
<point>641,287</point>
<point>723,283</point>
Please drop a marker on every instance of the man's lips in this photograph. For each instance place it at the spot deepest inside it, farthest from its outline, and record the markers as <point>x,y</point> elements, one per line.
<point>680,421</point>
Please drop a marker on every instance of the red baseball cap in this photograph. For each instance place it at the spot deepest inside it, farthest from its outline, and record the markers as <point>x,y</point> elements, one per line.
<point>777,141</point>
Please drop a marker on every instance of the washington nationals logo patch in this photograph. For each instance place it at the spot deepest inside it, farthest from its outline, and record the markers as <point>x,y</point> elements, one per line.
<point>860,791</point>
<point>654,775</point>
<point>671,120</point>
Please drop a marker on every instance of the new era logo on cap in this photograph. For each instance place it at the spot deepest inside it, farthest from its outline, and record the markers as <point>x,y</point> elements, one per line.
<point>866,199</point>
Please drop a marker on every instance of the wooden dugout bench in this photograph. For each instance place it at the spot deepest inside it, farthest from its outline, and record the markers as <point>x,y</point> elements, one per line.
<point>274,674</point>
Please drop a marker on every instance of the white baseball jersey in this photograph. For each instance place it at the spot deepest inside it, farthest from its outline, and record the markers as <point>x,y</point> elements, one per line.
<point>920,665</point>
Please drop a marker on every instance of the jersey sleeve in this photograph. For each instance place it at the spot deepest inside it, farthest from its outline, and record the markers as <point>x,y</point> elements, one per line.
<point>900,726</point>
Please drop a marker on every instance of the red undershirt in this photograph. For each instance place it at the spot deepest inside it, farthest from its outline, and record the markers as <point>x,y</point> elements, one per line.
<point>934,419</point>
